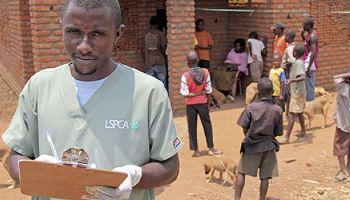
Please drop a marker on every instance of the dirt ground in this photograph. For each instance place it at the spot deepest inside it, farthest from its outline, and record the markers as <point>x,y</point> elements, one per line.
<point>309,177</point>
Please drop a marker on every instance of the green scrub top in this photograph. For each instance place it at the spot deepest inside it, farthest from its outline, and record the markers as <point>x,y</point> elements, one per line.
<point>128,120</point>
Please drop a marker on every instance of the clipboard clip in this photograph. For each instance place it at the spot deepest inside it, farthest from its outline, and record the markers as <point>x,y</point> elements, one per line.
<point>76,157</point>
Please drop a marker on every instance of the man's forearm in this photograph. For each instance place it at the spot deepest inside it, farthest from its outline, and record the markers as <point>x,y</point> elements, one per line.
<point>195,94</point>
<point>13,164</point>
<point>344,75</point>
<point>312,59</point>
<point>300,78</point>
<point>157,174</point>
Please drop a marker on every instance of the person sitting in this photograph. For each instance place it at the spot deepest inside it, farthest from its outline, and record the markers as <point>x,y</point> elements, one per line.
<point>237,60</point>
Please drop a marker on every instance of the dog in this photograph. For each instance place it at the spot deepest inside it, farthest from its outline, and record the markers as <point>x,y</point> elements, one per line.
<point>221,165</point>
<point>320,91</point>
<point>251,93</point>
<point>5,159</point>
<point>318,106</point>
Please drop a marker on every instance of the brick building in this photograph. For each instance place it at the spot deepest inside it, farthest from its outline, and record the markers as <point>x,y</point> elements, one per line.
<point>30,33</point>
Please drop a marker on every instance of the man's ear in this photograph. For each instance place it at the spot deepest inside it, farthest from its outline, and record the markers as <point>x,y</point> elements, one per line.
<point>119,34</point>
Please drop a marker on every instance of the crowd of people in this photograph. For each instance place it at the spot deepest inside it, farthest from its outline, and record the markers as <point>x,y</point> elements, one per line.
<point>290,84</point>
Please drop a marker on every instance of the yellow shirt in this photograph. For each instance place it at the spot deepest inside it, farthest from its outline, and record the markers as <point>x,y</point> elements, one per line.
<point>278,77</point>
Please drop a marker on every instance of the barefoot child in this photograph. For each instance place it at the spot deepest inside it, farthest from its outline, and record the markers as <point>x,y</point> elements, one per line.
<point>261,122</point>
<point>342,118</point>
<point>196,88</point>
<point>297,93</point>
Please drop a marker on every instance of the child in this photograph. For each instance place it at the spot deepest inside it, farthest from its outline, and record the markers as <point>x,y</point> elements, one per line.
<point>255,48</point>
<point>298,93</point>
<point>261,122</point>
<point>342,118</point>
<point>196,88</point>
<point>287,61</point>
<point>278,78</point>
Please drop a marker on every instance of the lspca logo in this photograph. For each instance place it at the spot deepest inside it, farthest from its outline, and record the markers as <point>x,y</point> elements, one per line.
<point>122,124</point>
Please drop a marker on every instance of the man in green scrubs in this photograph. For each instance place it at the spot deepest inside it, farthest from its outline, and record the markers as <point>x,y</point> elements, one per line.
<point>120,116</point>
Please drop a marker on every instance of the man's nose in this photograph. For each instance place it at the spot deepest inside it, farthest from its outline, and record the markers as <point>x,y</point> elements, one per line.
<point>84,46</point>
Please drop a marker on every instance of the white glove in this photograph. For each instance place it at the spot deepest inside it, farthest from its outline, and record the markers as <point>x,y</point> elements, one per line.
<point>47,159</point>
<point>134,174</point>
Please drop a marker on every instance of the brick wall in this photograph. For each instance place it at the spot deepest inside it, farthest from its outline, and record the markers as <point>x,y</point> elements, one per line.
<point>216,24</point>
<point>333,30</point>
<point>180,41</point>
<point>48,49</point>
<point>30,34</point>
<point>15,43</point>
<point>242,23</point>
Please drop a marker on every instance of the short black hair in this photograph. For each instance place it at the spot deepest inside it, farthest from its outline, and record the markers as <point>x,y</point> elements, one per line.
<point>240,41</point>
<point>265,86</point>
<point>309,21</point>
<point>154,21</point>
<point>254,35</point>
<point>91,4</point>
<point>291,33</point>
<point>299,50</point>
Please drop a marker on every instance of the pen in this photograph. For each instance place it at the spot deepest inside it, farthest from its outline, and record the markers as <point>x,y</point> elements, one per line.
<point>52,147</point>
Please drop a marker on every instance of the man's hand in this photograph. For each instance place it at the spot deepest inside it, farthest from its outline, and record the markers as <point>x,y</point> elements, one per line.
<point>288,81</point>
<point>47,159</point>
<point>281,97</point>
<point>302,33</point>
<point>309,72</point>
<point>255,57</point>
<point>134,174</point>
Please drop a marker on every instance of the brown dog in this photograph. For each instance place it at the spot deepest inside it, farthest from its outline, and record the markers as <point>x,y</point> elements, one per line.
<point>221,165</point>
<point>251,93</point>
<point>320,91</point>
<point>4,158</point>
<point>318,106</point>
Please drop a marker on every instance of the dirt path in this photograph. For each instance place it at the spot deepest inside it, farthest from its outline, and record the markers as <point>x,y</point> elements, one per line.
<point>309,177</point>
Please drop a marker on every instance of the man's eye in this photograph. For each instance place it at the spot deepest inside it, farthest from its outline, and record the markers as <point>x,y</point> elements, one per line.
<point>98,34</point>
<point>73,32</point>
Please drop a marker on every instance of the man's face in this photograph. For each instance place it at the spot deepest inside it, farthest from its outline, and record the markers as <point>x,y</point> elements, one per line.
<point>305,26</point>
<point>289,38</point>
<point>201,26</point>
<point>277,31</point>
<point>88,37</point>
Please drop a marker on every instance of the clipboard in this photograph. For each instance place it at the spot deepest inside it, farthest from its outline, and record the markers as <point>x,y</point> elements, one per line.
<point>60,181</point>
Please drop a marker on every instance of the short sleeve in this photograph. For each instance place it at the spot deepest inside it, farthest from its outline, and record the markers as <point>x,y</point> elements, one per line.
<point>184,86</point>
<point>162,40</point>
<point>283,77</point>
<point>244,119</point>
<point>208,87</point>
<point>195,41</point>
<point>210,39</point>
<point>262,45</point>
<point>22,131</point>
<point>164,142</point>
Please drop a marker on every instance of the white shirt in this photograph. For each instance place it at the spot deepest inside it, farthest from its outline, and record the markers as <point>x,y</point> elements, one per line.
<point>184,86</point>
<point>257,47</point>
<point>288,54</point>
<point>85,89</point>
<point>307,62</point>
